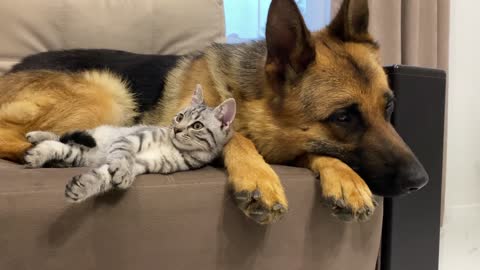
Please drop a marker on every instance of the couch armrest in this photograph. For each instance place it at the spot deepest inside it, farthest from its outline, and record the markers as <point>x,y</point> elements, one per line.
<point>179,221</point>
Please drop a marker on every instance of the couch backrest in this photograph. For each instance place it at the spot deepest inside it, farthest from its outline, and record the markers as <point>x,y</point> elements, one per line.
<point>143,26</point>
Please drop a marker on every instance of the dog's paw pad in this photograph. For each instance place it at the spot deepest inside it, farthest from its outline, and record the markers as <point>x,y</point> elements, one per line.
<point>350,212</point>
<point>254,206</point>
<point>346,193</point>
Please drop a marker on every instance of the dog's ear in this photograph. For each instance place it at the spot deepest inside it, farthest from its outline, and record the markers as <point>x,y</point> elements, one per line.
<point>288,39</point>
<point>351,22</point>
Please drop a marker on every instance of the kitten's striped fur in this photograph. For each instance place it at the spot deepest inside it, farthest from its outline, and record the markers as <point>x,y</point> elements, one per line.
<point>196,137</point>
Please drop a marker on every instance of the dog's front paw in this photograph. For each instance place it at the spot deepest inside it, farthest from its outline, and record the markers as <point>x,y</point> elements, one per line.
<point>121,172</point>
<point>259,194</point>
<point>35,137</point>
<point>346,193</point>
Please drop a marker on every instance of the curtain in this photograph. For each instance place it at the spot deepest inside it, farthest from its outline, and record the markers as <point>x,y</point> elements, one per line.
<point>410,32</point>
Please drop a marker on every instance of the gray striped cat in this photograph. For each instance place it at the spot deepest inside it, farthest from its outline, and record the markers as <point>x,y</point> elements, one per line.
<point>197,136</point>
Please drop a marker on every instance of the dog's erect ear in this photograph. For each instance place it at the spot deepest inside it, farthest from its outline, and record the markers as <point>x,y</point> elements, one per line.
<point>197,97</point>
<point>288,39</point>
<point>351,22</point>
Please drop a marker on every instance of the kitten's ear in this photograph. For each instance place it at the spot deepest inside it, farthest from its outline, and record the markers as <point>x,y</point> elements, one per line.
<point>197,98</point>
<point>225,112</point>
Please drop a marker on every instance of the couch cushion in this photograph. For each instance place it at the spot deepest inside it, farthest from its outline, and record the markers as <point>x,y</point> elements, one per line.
<point>143,26</point>
<point>180,221</point>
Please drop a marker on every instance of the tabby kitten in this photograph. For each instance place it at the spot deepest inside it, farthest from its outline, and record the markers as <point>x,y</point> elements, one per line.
<point>197,136</point>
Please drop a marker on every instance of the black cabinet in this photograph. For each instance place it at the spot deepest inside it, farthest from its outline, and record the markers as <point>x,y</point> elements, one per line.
<point>411,229</point>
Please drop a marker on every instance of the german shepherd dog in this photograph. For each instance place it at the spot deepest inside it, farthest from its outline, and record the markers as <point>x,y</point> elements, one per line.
<point>320,100</point>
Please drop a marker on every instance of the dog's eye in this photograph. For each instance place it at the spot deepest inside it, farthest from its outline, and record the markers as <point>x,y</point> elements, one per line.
<point>197,125</point>
<point>341,116</point>
<point>389,109</point>
<point>179,117</point>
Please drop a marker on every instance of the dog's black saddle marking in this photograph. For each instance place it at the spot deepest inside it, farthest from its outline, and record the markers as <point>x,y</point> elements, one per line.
<point>144,73</point>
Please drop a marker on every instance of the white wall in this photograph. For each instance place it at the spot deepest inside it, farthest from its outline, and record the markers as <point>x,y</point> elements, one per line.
<point>460,236</point>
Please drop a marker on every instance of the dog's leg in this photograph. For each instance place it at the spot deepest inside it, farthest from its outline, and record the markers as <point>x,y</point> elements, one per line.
<point>257,188</point>
<point>343,189</point>
<point>12,145</point>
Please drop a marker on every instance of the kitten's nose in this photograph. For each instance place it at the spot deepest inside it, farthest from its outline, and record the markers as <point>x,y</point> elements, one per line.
<point>176,130</point>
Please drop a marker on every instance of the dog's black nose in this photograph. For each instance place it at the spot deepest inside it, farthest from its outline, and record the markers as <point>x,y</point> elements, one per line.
<point>412,177</point>
<point>403,179</point>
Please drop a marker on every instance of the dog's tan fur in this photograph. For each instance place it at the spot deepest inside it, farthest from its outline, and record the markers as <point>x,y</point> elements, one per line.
<point>59,102</point>
<point>285,96</point>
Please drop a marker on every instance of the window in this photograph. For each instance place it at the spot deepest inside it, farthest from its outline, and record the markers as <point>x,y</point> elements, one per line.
<point>245,19</point>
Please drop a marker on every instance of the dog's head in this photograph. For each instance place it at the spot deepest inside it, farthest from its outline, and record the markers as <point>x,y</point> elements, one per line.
<point>330,96</point>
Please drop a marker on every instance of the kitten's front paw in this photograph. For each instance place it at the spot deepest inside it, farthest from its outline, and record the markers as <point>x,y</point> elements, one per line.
<point>37,156</point>
<point>121,172</point>
<point>82,187</point>
<point>36,137</point>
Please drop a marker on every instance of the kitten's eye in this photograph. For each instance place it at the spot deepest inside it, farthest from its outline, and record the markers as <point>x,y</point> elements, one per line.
<point>197,125</point>
<point>179,117</point>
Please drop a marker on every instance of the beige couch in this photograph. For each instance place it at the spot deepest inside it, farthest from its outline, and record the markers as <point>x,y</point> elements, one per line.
<point>180,221</point>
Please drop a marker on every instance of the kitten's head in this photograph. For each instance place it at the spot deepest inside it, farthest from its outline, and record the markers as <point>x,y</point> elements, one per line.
<point>199,127</point>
